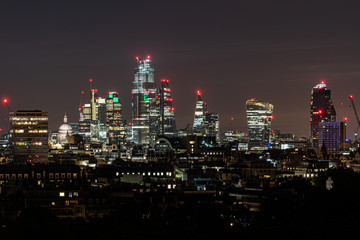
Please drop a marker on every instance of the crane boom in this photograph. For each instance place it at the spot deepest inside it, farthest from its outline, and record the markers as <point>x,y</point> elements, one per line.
<point>354,108</point>
<point>80,105</point>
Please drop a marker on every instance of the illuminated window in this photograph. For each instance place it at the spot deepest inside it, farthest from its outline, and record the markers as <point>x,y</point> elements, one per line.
<point>61,194</point>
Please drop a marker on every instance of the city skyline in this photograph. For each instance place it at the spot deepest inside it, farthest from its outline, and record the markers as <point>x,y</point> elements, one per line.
<point>226,51</point>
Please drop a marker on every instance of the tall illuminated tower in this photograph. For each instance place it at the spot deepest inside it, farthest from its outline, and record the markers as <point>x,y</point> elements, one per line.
<point>115,126</point>
<point>259,116</point>
<point>200,112</point>
<point>144,113</point>
<point>167,110</point>
<point>321,110</point>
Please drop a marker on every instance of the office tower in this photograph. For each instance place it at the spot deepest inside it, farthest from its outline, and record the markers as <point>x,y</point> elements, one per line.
<point>321,110</point>
<point>167,110</point>
<point>259,116</point>
<point>329,135</point>
<point>212,125</point>
<point>115,126</point>
<point>143,104</point>
<point>200,111</point>
<point>29,136</point>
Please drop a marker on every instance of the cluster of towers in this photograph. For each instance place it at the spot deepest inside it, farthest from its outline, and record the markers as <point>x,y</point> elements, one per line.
<point>152,109</point>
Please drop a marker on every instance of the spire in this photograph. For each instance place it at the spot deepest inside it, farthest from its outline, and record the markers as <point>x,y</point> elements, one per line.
<point>65,118</point>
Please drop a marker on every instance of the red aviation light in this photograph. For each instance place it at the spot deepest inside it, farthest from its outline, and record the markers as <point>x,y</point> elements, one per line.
<point>129,123</point>
<point>172,109</point>
<point>5,100</point>
<point>252,100</point>
<point>82,92</point>
<point>90,79</point>
<point>322,82</point>
<point>232,118</point>
<point>320,111</point>
<point>351,96</point>
<point>148,56</point>
<point>163,80</point>
<point>167,80</point>
<point>345,119</point>
<point>137,58</point>
<point>271,117</point>
<point>198,92</point>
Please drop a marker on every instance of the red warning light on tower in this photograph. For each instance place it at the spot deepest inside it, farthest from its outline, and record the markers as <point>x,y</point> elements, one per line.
<point>252,100</point>
<point>232,118</point>
<point>320,111</point>
<point>198,92</point>
<point>322,82</point>
<point>345,119</point>
<point>137,58</point>
<point>351,96</point>
<point>148,56</point>
<point>5,100</point>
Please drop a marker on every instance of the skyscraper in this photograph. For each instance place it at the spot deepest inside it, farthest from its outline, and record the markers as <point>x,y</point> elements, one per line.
<point>143,106</point>
<point>212,125</point>
<point>321,110</point>
<point>167,110</point>
<point>115,126</point>
<point>259,116</point>
<point>29,136</point>
<point>200,111</point>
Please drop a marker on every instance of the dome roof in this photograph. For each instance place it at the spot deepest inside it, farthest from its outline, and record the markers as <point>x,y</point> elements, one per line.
<point>65,130</point>
<point>65,127</point>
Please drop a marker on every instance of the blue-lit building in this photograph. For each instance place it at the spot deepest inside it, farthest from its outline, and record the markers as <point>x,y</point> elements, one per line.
<point>329,135</point>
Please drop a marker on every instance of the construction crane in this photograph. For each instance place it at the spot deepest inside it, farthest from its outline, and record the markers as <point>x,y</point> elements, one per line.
<point>80,105</point>
<point>355,112</point>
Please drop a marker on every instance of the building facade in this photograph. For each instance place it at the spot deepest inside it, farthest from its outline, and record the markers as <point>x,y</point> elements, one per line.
<point>259,116</point>
<point>29,136</point>
<point>321,110</point>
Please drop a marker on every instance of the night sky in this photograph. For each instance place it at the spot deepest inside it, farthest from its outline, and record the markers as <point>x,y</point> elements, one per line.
<point>275,51</point>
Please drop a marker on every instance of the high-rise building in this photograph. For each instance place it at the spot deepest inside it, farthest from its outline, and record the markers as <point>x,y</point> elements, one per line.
<point>167,110</point>
<point>212,126</point>
<point>144,112</point>
<point>321,110</point>
<point>259,116</point>
<point>200,111</point>
<point>115,126</point>
<point>29,136</point>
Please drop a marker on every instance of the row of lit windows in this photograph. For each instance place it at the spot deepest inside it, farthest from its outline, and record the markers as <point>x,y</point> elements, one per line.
<point>38,176</point>
<point>29,118</point>
<point>148,173</point>
<point>27,143</point>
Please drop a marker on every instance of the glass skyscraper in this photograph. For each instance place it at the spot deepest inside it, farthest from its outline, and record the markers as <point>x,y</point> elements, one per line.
<point>143,105</point>
<point>200,111</point>
<point>167,110</point>
<point>259,116</point>
<point>321,110</point>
